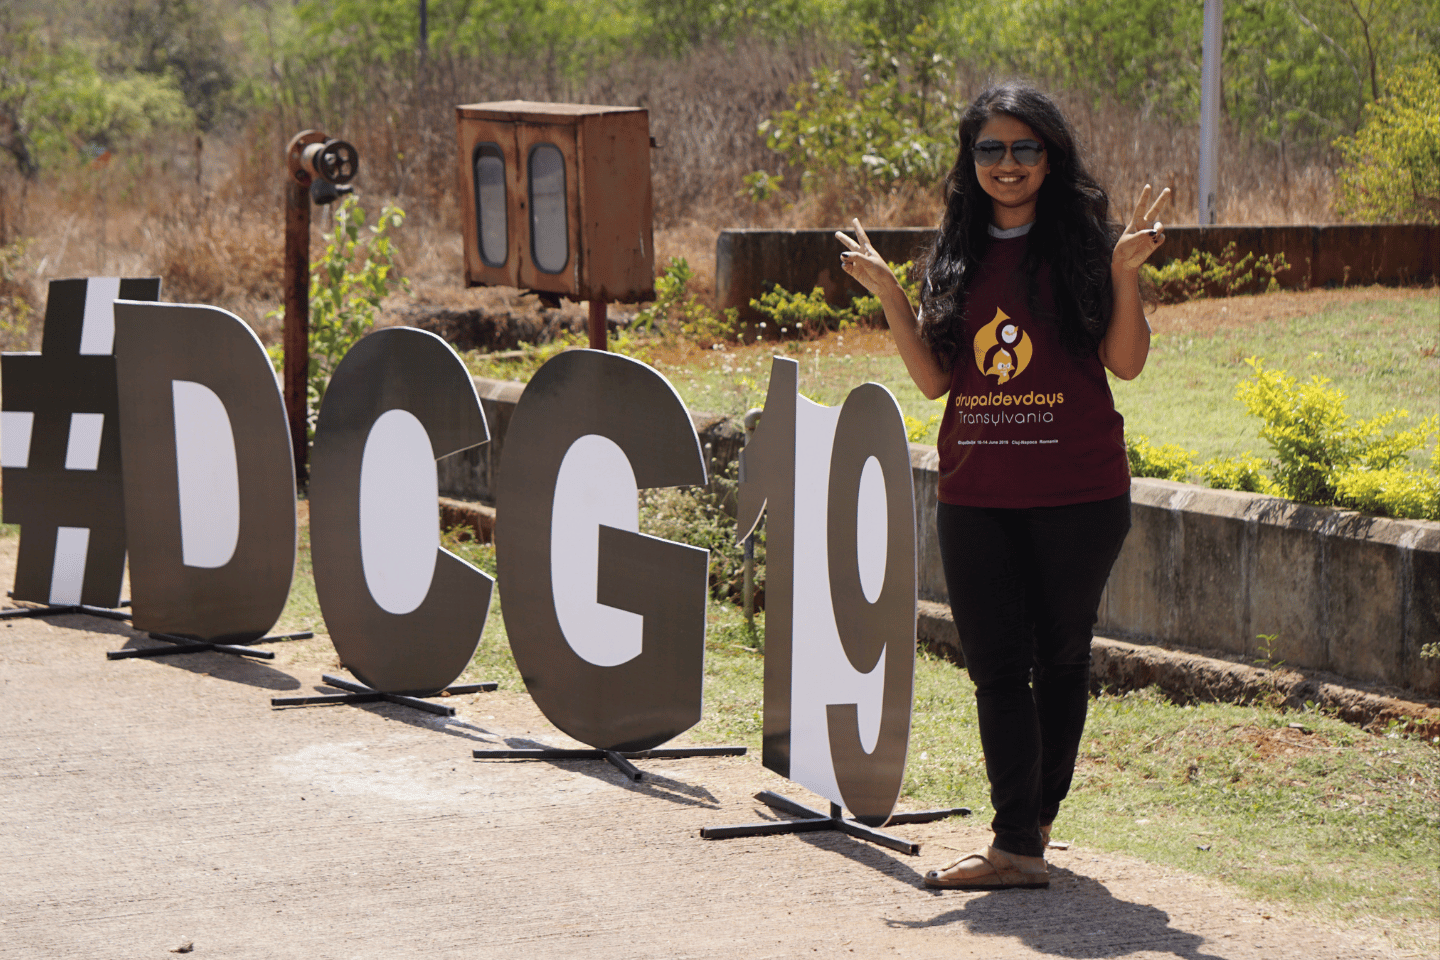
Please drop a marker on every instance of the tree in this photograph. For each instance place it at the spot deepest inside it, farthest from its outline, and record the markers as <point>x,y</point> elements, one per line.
<point>19,53</point>
<point>889,121</point>
<point>177,38</point>
<point>55,103</point>
<point>1392,164</point>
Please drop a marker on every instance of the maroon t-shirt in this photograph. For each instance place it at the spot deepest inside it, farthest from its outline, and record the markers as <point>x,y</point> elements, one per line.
<point>1026,424</point>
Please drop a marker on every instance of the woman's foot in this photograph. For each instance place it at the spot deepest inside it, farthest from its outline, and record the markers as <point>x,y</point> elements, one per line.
<point>992,870</point>
<point>1045,834</point>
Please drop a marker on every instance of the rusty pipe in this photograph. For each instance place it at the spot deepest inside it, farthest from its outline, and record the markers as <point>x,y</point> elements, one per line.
<point>599,335</point>
<point>296,337</point>
<point>297,323</point>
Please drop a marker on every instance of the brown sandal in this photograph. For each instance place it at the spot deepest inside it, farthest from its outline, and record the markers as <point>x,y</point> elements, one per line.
<point>999,877</point>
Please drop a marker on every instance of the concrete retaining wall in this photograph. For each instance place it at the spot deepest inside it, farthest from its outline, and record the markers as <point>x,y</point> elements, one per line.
<point>1207,569</point>
<point>472,474</point>
<point>747,261</point>
<point>1337,591</point>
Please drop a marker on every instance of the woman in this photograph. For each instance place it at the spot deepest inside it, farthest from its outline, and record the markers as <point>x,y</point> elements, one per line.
<point>1030,295</point>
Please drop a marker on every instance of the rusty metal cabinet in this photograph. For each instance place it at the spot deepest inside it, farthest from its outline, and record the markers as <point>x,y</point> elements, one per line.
<point>556,197</point>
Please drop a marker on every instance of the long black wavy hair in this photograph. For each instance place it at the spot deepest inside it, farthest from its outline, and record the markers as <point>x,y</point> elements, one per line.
<point>1073,232</point>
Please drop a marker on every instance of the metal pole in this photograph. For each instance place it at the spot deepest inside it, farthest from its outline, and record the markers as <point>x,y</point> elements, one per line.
<point>747,589</point>
<point>599,340</point>
<point>297,310</point>
<point>424,41</point>
<point>1208,201</point>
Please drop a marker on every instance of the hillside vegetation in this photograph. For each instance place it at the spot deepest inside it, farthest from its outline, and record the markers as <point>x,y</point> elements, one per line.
<point>146,136</point>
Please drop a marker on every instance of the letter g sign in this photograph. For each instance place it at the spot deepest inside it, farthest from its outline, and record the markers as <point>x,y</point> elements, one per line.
<point>607,625</point>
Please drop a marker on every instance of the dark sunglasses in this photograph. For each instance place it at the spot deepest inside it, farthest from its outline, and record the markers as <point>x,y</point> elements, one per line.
<point>989,152</point>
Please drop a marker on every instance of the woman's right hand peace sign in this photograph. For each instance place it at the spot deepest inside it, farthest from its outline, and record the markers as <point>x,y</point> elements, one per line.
<point>863,263</point>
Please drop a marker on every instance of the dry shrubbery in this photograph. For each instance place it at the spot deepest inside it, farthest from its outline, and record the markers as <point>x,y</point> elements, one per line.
<point>210,221</point>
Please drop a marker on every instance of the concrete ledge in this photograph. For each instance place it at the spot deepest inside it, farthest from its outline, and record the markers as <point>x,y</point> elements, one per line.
<point>1186,676</point>
<point>471,474</point>
<point>747,261</point>
<point>477,518</point>
<point>1264,578</point>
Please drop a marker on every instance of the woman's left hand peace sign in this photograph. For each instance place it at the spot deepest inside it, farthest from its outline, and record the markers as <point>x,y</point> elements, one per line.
<point>1142,234</point>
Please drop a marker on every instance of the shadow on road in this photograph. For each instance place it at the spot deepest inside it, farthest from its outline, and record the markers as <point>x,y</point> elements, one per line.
<point>1077,917</point>
<point>222,666</point>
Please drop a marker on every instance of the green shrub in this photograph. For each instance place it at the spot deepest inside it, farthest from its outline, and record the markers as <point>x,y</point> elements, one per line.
<point>354,272</point>
<point>761,185</point>
<point>1392,163</point>
<point>867,308</point>
<point>1321,455</point>
<point>16,310</point>
<point>1204,274</point>
<point>1390,492</point>
<point>889,121</point>
<point>804,315</point>
<point>1315,442</point>
<point>917,430</point>
<point>1245,472</point>
<point>1168,462</point>
<point>698,516</point>
<point>810,315</point>
<point>678,312</point>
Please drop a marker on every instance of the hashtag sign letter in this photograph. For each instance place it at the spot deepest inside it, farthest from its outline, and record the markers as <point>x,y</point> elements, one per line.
<point>60,447</point>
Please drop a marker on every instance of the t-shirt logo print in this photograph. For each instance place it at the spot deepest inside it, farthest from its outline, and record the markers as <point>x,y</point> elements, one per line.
<point>1002,349</point>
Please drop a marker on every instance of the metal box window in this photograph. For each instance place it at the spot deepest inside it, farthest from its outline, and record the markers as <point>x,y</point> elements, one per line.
<point>549,241</point>
<point>490,213</point>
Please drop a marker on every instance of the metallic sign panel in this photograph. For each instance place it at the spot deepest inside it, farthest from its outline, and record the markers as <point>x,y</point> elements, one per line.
<point>405,616</point>
<point>870,436</point>
<point>601,688</point>
<point>209,476</point>
<point>767,485</point>
<point>840,590</point>
<point>60,431</point>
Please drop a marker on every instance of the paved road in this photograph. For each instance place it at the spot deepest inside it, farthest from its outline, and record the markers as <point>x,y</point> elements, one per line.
<point>150,804</point>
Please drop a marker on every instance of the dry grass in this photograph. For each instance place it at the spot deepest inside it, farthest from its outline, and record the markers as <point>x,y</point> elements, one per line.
<point>210,221</point>
<point>1126,149</point>
<point>213,237</point>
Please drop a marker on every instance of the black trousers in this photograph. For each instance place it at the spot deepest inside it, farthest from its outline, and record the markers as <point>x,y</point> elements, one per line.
<point>1025,586</point>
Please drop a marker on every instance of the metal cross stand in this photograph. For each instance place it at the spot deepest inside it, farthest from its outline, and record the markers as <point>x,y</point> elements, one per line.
<point>53,610</point>
<point>616,758</point>
<point>812,820</point>
<point>189,645</point>
<point>359,693</point>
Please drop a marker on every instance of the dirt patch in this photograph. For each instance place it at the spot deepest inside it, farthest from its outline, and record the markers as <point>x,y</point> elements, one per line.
<point>1206,317</point>
<point>1288,741</point>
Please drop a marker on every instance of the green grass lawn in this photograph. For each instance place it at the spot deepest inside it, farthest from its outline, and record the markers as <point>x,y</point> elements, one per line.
<point>1384,353</point>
